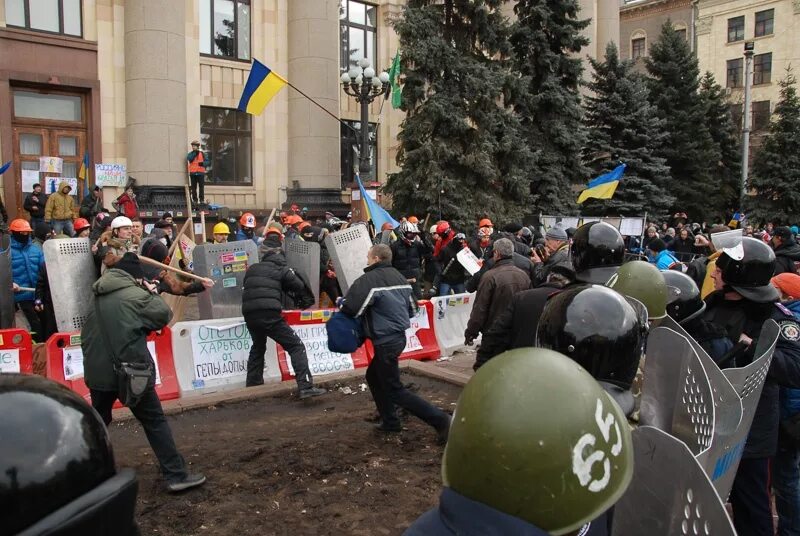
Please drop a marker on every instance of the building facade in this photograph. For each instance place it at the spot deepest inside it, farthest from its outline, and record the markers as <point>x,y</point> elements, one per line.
<point>640,24</point>
<point>134,81</point>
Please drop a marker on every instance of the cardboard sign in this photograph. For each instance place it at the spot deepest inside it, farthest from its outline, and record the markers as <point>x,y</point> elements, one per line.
<point>50,164</point>
<point>73,362</point>
<point>9,360</point>
<point>631,226</point>
<point>320,360</point>
<point>420,321</point>
<point>110,175</point>
<point>469,261</point>
<point>220,352</point>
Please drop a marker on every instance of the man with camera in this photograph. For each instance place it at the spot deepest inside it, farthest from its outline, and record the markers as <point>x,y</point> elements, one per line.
<point>555,252</point>
<point>126,309</point>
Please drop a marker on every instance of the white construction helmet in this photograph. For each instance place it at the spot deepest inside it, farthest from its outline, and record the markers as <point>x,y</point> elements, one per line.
<point>121,221</point>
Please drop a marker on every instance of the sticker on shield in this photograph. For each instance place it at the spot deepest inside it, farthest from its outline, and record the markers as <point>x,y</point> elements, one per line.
<point>216,272</point>
<point>790,331</point>
<point>229,282</point>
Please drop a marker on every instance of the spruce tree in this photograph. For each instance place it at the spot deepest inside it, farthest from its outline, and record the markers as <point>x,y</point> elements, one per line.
<point>775,174</point>
<point>727,171</point>
<point>689,150</point>
<point>624,127</point>
<point>462,153</point>
<point>546,43</point>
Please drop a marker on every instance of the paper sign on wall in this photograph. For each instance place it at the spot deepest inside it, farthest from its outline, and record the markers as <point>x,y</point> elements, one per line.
<point>110,175</point>
<point>320,359</point>
<point>9,360</point>
<point>420,321</point>
<point>30,178</point>
<point>220,352</point>
<point>50,164</point>
<point>73,362</point>
<point>51,184</point>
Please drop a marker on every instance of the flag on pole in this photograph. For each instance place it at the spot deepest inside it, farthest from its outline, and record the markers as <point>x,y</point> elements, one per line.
<point>394,82</point>
<point>262,84</point>
<point>5,167</point>
<point>374,211</point>
<point>604,186</point>
<point>83,173</point>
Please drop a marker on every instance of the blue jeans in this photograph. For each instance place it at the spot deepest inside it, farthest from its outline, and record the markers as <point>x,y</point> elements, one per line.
<point>786,478</point>
<point>445,288</point>
<point>64,226</point>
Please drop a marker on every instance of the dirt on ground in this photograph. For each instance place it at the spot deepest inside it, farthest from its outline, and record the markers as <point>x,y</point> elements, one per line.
<point>284,466</point>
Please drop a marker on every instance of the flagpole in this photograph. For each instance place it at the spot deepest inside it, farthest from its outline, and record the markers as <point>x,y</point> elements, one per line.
<point>321,107</point>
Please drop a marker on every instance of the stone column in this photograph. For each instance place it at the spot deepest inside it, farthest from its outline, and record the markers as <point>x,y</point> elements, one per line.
<point>155,91</point>
<point>314,151</point>
<point>607,24</point>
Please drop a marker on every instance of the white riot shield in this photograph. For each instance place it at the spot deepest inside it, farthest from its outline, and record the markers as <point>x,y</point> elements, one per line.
<point>226,265</point>
<point>6,280</point>
<point>727,239</point>
<point>71,274</point>
<point>669,493</point>
<point>348,249</point>
<point>303,258</point>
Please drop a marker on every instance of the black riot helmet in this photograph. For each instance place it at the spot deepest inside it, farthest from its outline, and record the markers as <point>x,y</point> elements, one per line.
<point>684,302</point>
<point>598,328</point>
<point>57,473</point>
<point>748,268</point>
<point>597,251</point>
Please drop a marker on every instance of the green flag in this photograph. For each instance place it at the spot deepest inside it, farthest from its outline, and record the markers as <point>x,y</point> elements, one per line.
<point>394,80</point>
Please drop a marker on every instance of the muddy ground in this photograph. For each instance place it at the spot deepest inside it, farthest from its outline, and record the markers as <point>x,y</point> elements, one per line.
<point>282,466</point>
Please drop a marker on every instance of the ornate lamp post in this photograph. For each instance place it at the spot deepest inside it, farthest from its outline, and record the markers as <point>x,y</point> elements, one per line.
<point>360,82</point>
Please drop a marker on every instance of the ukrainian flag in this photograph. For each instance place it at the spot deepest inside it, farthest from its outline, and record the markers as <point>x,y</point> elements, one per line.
<point>604,186</point>
<point>375,212</point>
<point>261,86</point>
<point>83,173</point>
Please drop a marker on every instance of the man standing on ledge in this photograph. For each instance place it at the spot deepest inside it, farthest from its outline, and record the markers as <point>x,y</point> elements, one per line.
<point>196,162</point>
<point>385,302</point>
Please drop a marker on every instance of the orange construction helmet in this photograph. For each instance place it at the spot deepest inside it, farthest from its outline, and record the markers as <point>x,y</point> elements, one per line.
<point>80,224</point>
<point>303,224</point>
<point>485,222</point>
<point>248,220</point>
<point>413,219</point>
<point>20,226</point>
<point>387,227</point>
<point>293,219</point>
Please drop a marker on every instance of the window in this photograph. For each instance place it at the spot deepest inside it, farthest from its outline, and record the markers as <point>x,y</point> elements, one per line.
<point>762,68</point>
<point>54,16</point>
<point>358,33</point>
<point>736,116</point>
<point>765,21</point>
<point>760,115</point>
<point>681,32</point>
<point>225,28</point>
<point>736,29</point>
<point>351,141</point>
<point>227,140</point>
<point>47,106</point>
<point>735,70</point>
<point>638,48</point>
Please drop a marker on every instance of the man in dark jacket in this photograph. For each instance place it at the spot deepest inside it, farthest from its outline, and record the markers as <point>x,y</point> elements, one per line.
<point>92,205</point>
<point>787,250</point>
<point>556,253</point>
<point>453,274</point>
<point>265,284</point>
<point>383,299</point>
<point>407,255</point>
<point>125,310</point>
<point>496,290</point>
<point>34,204</point>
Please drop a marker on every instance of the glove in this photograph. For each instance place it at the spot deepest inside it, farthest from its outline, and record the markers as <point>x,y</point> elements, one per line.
<point>468,340</point>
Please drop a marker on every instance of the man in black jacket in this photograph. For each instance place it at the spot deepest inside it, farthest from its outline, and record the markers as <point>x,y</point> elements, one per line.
<point>34,204</point>
<point>787,251</point>
<point>383,299</point>
<point>407,255</point>
<point>92,204</point>
<point>262,301</point>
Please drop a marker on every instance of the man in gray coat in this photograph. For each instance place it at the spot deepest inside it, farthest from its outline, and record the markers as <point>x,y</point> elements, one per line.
<point>555,253</point>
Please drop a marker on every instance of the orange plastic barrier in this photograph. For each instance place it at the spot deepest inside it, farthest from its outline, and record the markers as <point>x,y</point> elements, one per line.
<point>16,351</point>
<point>424,334</point>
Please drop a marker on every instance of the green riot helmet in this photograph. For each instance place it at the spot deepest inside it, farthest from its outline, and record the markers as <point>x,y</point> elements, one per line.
<point>596,327</point>
<point>510,450</point>
<point>644,282</point>
<point>685,302</point>
<point>597,251</point>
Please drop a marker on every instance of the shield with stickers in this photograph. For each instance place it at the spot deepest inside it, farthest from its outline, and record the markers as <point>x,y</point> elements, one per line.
<point>226,265</point>
<point>670,493</point>
<point>348,249</point>
<point>6,280</point>
<point>71,274</point>
<point>303,258</point>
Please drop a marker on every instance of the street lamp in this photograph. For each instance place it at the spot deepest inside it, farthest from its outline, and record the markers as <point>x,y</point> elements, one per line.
<point>360,82</point>
<point>749,46</point>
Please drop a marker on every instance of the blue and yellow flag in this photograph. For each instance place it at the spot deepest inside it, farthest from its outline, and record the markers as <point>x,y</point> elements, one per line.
<point>83,173</point>
<point>375,212</point>
<point>5,167</point>
<point>262,84</point>
<point>604,186</point>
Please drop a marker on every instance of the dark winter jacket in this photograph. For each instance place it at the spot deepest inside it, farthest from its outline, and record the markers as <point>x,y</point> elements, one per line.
<point>26,261</point>
<point>453,273</point>
<point>482,252</point>
<point>240,235</point>
<point>684,250</point>
<point>407,258</point>
<point>458,515</point>
<point>35,204</point>
<point>515,327</point>
<point>560,257</point>
<point>91,206</point>
<point>785,256</point>
<point>267,282</point>
<point>520,261</point>
<point>128,313</point>
<point>384,300</point>
<point>495,293</point>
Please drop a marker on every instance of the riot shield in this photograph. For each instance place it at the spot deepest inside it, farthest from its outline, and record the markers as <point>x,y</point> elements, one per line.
<point>348,249</point>
<point>71,274</point>
<point>727,239</point>
<point>6,279</point>
<point>303,258</point>
<point>669,492</point>
<point>225,264</point>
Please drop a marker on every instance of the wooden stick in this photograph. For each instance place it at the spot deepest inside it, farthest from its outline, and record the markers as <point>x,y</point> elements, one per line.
<point>203,224</point>
<point>25,289</point>
<point>269,220</point>
<point>175,238</point>
<point>153,262</point>
<point>190,234</point>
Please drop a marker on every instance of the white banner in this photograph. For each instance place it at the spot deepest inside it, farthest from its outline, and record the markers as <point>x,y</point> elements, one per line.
<point>9,360</point>
<point>220,352</point>
<point>321,361</point>
<point>50,164</point>
<point>110,175</point>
